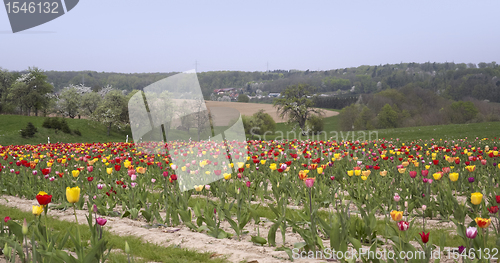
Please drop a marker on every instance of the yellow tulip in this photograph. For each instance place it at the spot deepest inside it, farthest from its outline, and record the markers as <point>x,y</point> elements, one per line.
<point>366,173</point>
<point>272,166</point>
<point>198,188</point>
<point>364,178</point>
<point>49,164</point>
<point>109,170</point>
<point>227,176</point>
<point>262,162</point>
<point>241,164</point>
<point>350,172</point>
<point>319,170</point>
<point>126,163</point>
<point>37,210</point>
<point>396,215</point>
<point>476,198</point>
<point>383,173</point>
<point>247,165</point>
<point>402,170</point>
<point>73,194</point>
<point>405,164</point>
<point>75,173</point>
<point>357,172</point>
<point>427,167</point>
<point>437,176</point>
<point>183,168</point>
<point>453,177</point>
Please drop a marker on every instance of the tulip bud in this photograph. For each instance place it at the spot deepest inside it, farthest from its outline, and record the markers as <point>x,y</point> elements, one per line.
<point>406,204</point>
<point>127,248</point>
<point>424,207</point>
<point>25,227</point>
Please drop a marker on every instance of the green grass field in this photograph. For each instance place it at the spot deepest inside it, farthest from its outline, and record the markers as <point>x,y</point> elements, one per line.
<point>10,125</point>
<point>95,132</point>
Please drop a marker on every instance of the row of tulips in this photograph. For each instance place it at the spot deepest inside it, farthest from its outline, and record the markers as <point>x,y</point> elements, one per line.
<point>454,181</point>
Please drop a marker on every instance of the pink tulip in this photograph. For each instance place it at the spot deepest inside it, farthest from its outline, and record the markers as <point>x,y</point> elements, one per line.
<point>165,174</point>
<point>413,174</point>
<point>130,172</point>
<point>90,168</point>
<point>35,172</point>
<point>397,198</point>
<point>309,182</point>
<point>153,180</point>
<point>248,183</point>
<point>133,177</point>
<point>101,221</point>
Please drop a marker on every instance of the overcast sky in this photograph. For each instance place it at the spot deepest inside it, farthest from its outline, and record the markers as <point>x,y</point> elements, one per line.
<point>164,36</point>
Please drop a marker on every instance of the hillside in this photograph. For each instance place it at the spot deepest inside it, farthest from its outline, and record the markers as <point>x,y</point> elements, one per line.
<point>91,131</point>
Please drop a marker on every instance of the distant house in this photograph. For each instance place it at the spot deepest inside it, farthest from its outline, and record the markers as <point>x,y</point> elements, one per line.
<point>274,94</point>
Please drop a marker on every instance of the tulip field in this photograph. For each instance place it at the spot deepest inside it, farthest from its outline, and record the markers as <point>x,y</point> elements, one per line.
<point>338,195</point>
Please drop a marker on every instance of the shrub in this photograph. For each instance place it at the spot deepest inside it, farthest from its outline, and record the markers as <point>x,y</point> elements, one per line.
<point>55,124</point>
<point>315,124</point>
<point>29,131</point>
<point>64,127</point>
<point>243,98</point>
<point>47,123</point>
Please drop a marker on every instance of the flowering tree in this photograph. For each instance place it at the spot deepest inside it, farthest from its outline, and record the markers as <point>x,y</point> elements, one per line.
<point>112,111</point>
<point>296,103</point>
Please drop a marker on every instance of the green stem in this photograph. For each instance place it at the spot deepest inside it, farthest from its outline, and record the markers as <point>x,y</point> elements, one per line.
<point>77,225</point>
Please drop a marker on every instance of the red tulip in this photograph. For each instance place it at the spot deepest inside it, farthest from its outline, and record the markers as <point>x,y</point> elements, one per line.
<point>90,178</point>
<point>44,199</point>
<point>425,237</point>
<point>498,199</point>
<point>436,162</point>
<point>493,209</point>
<point>118,167</point>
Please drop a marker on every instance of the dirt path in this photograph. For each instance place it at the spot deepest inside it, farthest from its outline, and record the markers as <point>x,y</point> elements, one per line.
<point>236,251</point>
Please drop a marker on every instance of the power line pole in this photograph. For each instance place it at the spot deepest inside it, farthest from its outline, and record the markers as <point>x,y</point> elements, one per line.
<point>267,67</point>
<point>196,66</point>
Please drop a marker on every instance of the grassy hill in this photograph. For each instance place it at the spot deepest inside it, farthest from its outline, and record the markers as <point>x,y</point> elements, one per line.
<point>10,125</point>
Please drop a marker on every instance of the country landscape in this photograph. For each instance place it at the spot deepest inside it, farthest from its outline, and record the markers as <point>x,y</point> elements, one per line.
<point>249,131</point>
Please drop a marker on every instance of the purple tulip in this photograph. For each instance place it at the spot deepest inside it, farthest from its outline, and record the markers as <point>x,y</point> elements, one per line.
<point>461,249</point>
<point>471,179</point>
<point>35,172</point>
